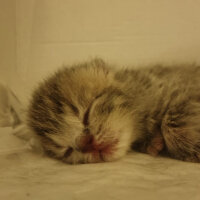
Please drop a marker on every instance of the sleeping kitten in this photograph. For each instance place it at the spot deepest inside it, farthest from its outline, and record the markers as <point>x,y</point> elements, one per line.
<point>81,116</point>
<point>92,112</point>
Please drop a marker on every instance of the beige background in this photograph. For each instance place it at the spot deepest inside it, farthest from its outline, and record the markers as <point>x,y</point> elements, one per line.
<point>48,33</point>
<point>7,39</point>
<point>37,36</point>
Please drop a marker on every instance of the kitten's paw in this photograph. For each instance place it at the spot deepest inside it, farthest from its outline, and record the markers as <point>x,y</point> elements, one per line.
<point>156,145</point>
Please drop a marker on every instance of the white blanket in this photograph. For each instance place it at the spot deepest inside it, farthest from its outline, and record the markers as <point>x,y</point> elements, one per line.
<point>26,174</point>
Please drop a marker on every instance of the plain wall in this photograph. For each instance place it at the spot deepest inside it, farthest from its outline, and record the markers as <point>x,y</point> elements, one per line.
<point>7,39</point>
<point>50,33</point>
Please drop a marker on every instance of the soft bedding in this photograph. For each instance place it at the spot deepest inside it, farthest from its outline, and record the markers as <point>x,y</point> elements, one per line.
<point>25,173</point>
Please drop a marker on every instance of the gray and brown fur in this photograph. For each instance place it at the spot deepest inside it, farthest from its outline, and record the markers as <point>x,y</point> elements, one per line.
<point>92,112</point>
<point>79,114</point>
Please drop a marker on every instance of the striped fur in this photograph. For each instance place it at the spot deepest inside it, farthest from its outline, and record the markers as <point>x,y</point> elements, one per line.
<point>91,112</point>
<point>80,107</point>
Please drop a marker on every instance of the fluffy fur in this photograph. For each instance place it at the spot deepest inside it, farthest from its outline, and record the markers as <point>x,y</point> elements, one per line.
<point>92,112</point>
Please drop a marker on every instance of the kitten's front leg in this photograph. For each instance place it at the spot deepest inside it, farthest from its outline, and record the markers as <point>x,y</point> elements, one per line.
<point>155,145</point>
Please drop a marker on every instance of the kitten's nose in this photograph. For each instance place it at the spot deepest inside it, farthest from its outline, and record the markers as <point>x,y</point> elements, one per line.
<point>86,143</point>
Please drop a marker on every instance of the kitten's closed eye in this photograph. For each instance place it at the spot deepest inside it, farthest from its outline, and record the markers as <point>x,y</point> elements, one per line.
<point>68,152</point>
<point>86,117</point>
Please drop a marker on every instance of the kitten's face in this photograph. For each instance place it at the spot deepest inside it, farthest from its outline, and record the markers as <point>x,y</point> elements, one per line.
<point>102,132</point>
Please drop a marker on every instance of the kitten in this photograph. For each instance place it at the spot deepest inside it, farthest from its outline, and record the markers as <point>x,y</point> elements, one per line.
<point>81,116</point>
<point>92,112</point>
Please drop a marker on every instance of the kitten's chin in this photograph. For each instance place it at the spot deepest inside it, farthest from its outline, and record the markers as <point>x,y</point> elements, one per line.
<point>98,152</point>
<point>107,155</point>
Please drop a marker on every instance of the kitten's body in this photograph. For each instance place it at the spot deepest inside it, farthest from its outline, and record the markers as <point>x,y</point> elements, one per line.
<point>93,113</point>
<point>167,104</point>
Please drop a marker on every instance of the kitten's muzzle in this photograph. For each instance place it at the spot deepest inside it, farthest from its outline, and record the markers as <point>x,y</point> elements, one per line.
<point>88,144</point>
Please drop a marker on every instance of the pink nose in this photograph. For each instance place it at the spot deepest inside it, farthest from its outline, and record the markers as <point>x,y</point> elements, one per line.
<point>87,144</point>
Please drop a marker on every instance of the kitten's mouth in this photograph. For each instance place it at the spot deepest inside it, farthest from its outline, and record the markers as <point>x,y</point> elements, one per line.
<point>99,150</point>
<point>103,153</point>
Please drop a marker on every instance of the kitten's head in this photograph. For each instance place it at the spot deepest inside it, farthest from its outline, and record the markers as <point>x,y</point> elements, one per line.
<point>100,132</point>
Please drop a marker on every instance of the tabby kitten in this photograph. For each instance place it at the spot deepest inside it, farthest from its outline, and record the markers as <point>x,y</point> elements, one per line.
<point>80,115</point>
<point>92,112</point>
